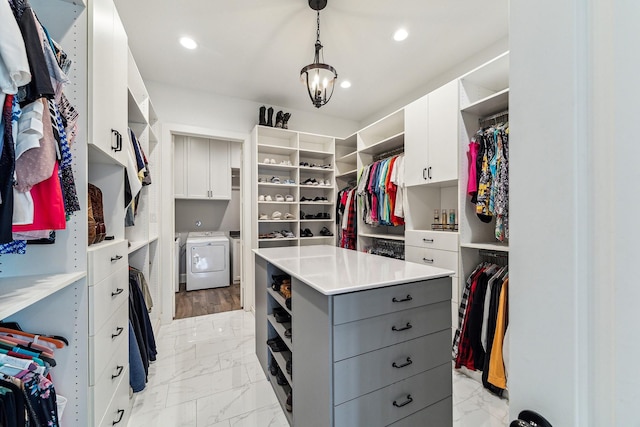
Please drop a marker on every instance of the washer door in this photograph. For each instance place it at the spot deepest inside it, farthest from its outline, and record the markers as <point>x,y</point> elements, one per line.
<point>207,258</point>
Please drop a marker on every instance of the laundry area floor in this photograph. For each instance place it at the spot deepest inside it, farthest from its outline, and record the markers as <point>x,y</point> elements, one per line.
<point>207,301</point>
<point>207,375</point>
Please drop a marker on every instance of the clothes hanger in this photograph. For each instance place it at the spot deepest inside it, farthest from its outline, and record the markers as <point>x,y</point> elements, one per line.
<point>27,344</point>
<point>55,341</point>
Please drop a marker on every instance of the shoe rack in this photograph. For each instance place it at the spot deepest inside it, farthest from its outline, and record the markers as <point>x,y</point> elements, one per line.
<point>293,188</point>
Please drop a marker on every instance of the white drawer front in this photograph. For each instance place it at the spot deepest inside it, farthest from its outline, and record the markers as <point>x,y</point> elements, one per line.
<point>106,259</point>
<point>377,409</point>
<point>433,257</point>
<point>104,344</point>
<point>109,380</point>
<point>117,414</point>
<point>105,297</point>
<point>447,241</point>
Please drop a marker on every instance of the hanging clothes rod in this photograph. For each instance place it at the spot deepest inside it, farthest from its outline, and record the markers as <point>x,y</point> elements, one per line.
<point>387,154</point>
<point>494,117</point>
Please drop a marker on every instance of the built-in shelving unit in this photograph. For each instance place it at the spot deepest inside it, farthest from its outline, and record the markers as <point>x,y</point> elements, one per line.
<point>292,157</point>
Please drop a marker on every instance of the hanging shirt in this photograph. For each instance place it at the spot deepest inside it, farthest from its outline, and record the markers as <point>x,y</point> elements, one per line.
<point>14,65</point>
<point>472,158</point>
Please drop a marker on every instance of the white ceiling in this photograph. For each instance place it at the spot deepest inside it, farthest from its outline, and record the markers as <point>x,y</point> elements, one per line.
<point>254,49</point>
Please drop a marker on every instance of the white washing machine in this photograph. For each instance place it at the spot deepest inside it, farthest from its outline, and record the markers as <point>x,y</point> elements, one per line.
<point>207,260</point>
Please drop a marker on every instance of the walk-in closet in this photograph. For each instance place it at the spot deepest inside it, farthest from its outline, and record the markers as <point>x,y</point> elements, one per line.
<point>430,224</point>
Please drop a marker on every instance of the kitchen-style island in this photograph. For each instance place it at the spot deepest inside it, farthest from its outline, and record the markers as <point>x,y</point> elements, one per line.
<point>367,338</point>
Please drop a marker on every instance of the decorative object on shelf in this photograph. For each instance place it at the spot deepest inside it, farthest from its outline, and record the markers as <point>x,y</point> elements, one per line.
<point>279,116</point>
<point>285,120</point>
<point>319,77</point>
<point>95,199</point>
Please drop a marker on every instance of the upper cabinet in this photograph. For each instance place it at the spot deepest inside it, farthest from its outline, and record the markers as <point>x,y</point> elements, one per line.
<point>431,137</point>
<point>202,169</point>
<point>108,53</point>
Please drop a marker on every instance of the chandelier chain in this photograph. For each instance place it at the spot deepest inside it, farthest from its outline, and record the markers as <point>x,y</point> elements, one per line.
<point>318,31</point>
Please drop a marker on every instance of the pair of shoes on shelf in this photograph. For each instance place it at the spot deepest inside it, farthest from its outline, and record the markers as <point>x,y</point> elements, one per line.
<point>287,332</point>
<point>285,163</point>
<point>311,181</point>
<point>280,313</point>
<point>282,120</point>
<point>274,368</point>
<point>268,161</point>
<point>322,215</point>
<point>289,181</point>
<point>320,199</point>
<point>285,290</point>
<point>287,234</point>
<point>304,164</point>
<point>275,180</point>
<point>326,232</point>
<point>277,345</point>
<point>263,216</point>
<point>306,233</point>
<point>289,367</point>
<point>279,280</point>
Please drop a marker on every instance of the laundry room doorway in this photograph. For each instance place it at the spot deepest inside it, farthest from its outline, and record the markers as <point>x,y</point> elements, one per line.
<point>206,221</point>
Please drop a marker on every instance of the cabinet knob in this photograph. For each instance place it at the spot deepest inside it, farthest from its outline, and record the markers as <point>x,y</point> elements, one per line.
<point>408,298</point>
<point>404,328</point>
<point>427,240</point>
<point>119,370</point>
<point>405,403</point>
<point>119,330</point>
<point>407,363</point>
<point>120,415</point>
<point>427,260</point>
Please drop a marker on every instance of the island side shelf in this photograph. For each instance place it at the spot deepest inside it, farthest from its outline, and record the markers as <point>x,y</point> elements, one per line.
<point>384,310</point>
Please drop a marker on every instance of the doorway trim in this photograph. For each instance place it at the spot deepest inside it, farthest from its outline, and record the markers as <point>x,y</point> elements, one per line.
<point>167,207</point>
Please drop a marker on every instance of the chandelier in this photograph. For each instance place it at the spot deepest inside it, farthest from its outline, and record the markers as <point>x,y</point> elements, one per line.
<point>319,77</point>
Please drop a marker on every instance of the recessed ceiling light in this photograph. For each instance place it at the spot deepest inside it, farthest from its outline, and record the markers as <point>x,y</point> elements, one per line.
<point>188,43</point>
<point>346,84</point>
<point>400,35</point>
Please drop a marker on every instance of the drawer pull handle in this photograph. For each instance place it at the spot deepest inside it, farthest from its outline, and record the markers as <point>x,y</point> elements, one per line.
<point>119,330</point>
<point>119,369</point>
<point>427,240</point>
<point>408,298</point>
<point>404,328</point>
<point>116,258</point>
<point>405,403</point>
<point>117,292</point>
<point>427,260</point>
<point>120,415</point>
<point>407,363</point>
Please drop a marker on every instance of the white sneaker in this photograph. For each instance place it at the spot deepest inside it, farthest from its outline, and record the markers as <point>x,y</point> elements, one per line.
<point>268,198</point>
<point>279,198</point>
<point>263,216</point>
<point>273,161</point>
<point>276,215</point>
<point>288,198</point>
<point>261,198</point>
<point>266,161</point>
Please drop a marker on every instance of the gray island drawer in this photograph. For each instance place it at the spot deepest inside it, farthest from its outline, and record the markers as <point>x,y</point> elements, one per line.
<point>364,304</point>
<point>368,372</point>
<point>377,409</point>
<point>352,339</point>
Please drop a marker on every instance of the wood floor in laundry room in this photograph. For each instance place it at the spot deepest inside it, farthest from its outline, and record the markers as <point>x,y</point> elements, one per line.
<point>207,301</point>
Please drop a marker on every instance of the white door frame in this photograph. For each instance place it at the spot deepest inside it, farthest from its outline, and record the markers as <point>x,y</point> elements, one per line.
<point>167,207</point>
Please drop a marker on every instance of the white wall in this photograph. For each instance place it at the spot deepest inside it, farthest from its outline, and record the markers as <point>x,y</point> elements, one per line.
<point>573,248</point>
<point>189,107</point>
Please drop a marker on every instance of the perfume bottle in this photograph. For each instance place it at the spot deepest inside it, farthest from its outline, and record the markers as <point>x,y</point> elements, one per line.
<point>443,217</point>
<point>436,216</point>
<point>452,217</point>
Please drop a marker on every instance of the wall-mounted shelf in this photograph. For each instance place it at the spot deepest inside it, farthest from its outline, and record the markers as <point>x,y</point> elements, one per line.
<point>491,104</point>
<point>388,144</point>
<point>500,247</point>
<point>383,236</point>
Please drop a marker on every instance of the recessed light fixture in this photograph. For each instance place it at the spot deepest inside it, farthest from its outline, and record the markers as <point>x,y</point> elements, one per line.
<point>346,84</point>
<point>400,35</point>
<point>188,43</point>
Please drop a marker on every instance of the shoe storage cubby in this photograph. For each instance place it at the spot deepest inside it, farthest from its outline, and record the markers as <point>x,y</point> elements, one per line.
<point>278,341</point>
<point>294,172</point>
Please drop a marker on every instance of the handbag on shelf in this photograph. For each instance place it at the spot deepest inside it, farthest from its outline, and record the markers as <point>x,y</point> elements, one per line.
<point>95,213</point>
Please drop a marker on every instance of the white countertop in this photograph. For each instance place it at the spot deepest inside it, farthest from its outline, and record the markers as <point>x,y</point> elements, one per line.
<point>332,270</point>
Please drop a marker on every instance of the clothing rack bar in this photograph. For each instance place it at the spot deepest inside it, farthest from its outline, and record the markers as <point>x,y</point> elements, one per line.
<point>494,117</point>
<point>387,154</point>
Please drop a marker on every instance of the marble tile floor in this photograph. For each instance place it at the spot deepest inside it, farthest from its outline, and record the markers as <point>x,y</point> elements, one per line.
<point>207,375</point>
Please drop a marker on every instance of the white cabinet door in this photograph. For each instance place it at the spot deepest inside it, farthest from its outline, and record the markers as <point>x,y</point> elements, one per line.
<point>107,80</point>
<point>443,133</point>
<point>220,170</point>
<point>180,166</point>
<point>198,168</point>
<point>416,142</point>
